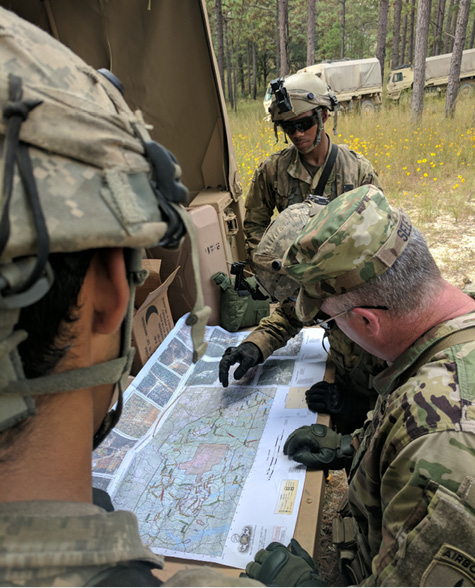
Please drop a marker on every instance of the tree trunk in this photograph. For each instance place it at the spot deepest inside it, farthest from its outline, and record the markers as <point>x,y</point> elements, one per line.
<point>439,28</point>
<point>237,60</point>
<point>220,40</point>
<point>454,27</point>
<point>277,38</point>
<point>396,33</point>
<point>410,55</point>
<point>420,53</point>
<point>284,37</point>
<point>448,27</point>
<point>227,54</point>
<point>382,30</point>
<point>456,61</point>
<point>311,12</point>
<point>403,40</point>
<point>343,17</point>
<point>248,57</point>
<point>254,72</point>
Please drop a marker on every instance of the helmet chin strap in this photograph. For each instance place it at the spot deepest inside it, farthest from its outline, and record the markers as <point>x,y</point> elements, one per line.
<point>318,135</point>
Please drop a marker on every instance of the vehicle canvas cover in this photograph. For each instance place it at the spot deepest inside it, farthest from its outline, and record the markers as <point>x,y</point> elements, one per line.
<point>349,75</point>
<point>438,66</point>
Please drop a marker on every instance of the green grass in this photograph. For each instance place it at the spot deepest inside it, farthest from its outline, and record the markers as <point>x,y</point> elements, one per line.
<point>426,170</point>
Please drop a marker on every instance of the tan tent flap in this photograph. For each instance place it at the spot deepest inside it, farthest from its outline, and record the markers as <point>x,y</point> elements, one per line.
<point>161,52</point>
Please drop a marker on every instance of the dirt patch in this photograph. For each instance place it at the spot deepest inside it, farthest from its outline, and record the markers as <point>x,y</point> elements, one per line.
<point>327,562</point>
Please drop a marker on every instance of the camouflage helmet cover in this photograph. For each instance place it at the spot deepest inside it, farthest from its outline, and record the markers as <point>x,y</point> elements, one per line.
<point>306,92</point>
<point>90,170</point>
<point>356,238</point>
<point>91,177</point>
<point>269,253</point>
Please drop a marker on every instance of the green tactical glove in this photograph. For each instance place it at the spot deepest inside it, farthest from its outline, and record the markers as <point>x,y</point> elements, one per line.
<point>277,565</point>
<point>320,448</point>
<point>247,355</point>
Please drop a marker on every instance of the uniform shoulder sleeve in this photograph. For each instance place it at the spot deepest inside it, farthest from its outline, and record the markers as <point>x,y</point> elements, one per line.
<point>428,514</point>
<point>274,331</point>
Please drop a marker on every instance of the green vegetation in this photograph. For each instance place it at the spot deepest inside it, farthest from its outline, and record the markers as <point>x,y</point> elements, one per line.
<point>428,171</point>
<point>425,170</point>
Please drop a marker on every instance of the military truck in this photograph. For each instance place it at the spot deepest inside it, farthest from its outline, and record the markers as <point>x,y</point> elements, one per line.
<point>436,76</point>
<point>162,54</point>
<point>356,83</point>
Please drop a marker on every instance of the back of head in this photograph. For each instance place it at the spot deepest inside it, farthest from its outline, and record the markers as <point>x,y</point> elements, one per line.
<point>80,172</point>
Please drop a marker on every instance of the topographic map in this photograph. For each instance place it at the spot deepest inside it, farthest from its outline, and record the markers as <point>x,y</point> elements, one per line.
<point>202,466</point>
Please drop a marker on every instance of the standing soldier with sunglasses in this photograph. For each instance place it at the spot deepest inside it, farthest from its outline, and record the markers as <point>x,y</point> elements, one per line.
<point>312,165</point>
<point>300,106</point>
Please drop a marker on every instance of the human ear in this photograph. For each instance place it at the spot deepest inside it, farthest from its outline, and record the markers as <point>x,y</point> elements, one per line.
<point>110,290</point>
<point>370,319</point>
<point>324,115</point>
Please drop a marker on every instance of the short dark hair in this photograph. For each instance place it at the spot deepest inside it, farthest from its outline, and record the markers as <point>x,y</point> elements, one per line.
<point>47,323</point>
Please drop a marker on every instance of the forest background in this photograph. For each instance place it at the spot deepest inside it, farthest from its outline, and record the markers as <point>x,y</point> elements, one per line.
<point>425,164</point>
<point>423,151</point>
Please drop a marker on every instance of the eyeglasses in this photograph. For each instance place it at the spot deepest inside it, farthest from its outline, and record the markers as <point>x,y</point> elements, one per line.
<point>301,124</point>
<point>324,322</point>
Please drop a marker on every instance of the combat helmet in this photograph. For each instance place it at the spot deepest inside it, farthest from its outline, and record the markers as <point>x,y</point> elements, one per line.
<point>79,171</point>
<point>267,257</point>
<point>299,93</point>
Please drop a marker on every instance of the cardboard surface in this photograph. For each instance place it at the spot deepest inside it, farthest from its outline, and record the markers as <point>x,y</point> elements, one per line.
<point>152,282</point>
<point>212,259</point>
<point>152,323</point>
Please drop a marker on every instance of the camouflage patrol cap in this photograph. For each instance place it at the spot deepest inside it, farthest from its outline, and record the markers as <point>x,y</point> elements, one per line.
<point>356,238</point>
<point>279,235</point>
<point>306,92</point>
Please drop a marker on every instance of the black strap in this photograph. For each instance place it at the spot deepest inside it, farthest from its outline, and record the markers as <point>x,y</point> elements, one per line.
<point>322,182</point>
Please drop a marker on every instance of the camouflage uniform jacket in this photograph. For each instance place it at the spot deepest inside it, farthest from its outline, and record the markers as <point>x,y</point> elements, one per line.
<point>412,481</point>
<point>53,543</point>
<point>282,180</point>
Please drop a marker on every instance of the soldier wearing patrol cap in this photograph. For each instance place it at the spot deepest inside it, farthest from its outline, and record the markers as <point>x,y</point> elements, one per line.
<point>84,189</point>
<point>351,395</point>
<point>409,519</point>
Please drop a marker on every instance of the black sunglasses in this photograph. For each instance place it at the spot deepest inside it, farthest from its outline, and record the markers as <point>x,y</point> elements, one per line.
<point>302,124</point>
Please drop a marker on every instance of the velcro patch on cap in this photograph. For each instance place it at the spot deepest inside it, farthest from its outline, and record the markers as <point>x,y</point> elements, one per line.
<point>450,567</point>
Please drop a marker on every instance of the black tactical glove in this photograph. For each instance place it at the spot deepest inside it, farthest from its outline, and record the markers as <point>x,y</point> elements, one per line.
<point>320,448</point>
<point>347,408</point>
<point>277,565</point>
<point>247,355</point>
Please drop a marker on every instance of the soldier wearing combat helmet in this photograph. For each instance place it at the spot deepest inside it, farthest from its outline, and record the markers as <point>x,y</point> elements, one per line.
<point>350,396</point>
<point>409,519</point>
<point>312,165</point>
<point>84,189</point>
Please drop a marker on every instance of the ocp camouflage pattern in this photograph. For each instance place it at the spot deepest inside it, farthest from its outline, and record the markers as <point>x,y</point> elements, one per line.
<point>412,484</point>
<point>282,180</point>
<point>356,238</point>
